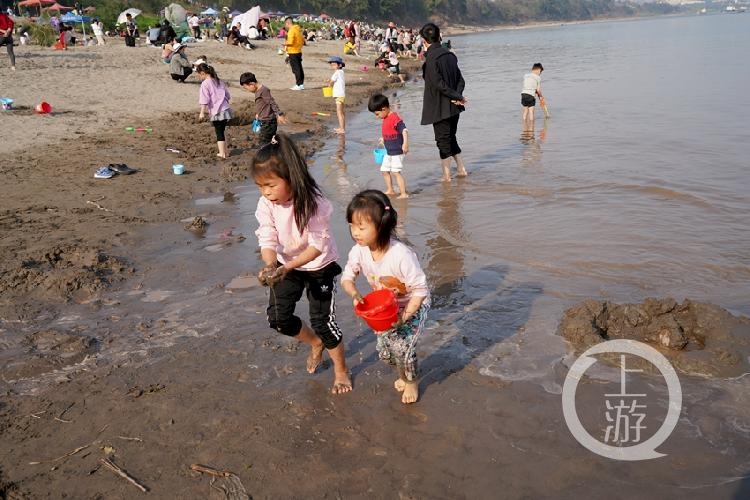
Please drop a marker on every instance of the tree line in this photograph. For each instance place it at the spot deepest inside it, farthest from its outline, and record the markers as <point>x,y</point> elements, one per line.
<point>483,12</point>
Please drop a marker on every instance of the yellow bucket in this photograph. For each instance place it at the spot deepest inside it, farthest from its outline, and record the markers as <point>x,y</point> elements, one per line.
<point>327,91</point>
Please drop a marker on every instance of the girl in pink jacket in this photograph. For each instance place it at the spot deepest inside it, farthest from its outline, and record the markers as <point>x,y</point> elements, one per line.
<point>299,252</point>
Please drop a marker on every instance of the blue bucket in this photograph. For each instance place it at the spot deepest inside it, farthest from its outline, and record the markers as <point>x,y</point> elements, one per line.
<point>6,103</point>
<point>379,154</point>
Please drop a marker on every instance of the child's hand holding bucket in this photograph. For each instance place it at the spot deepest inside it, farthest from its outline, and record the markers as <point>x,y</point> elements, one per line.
<point>379,309</point>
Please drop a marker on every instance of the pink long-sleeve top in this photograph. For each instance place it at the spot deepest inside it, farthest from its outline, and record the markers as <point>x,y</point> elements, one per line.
<point>278,230</point>
<point>399,261</point>
<point>215,95</point>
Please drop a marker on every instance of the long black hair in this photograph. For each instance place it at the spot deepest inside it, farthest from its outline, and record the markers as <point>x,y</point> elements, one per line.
<point>282,158</point>
<point>376,206</point>
<point>209,70</point>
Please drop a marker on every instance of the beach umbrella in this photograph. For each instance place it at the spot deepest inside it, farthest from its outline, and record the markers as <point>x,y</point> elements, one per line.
<point>56,6</point>
<point>235,12</point>
<point>209,12</point>
<point>175,14</point>
<point>123,15</point>
<point>36,3</point>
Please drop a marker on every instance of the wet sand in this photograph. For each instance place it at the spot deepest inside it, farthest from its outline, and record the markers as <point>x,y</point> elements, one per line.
<point>121,339</point>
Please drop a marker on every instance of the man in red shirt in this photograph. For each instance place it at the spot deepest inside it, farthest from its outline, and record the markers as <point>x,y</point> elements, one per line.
<point>6,37</point>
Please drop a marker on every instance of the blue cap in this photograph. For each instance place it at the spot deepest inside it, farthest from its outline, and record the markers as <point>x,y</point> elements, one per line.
<point>337,60</point>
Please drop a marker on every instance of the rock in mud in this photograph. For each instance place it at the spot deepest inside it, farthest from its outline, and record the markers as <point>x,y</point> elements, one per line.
<point>697,338</point>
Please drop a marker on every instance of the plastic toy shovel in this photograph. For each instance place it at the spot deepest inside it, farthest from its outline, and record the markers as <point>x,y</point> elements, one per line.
<point>543,104</point>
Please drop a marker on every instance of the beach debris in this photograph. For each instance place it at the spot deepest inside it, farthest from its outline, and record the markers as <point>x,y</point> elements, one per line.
<point>197,224</point>
<point>69,454</point>
<point>89,202</point>
<point>229,197</point>
<point>172,150</point>
<point>43,108</point>
<point>139,129</point>
<point>117,470</point>
<point>127,438</point>
<point>226,482</point>
<point>318,113</point>
<point>7,103</point>
<point>59,417</point>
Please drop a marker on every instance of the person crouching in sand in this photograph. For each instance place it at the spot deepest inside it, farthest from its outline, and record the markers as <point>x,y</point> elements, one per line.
<point>299,252</point>
<point>387,263</point>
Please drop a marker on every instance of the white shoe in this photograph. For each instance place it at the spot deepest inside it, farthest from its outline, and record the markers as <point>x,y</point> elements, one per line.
<point>297,87</point>
<point>301,87</point>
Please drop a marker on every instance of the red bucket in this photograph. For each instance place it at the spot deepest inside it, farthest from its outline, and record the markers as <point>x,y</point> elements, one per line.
<point>379,309</point>
<point>43,108</point>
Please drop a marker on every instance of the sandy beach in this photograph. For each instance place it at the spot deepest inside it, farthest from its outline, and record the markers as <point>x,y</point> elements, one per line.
<point>111,350</point>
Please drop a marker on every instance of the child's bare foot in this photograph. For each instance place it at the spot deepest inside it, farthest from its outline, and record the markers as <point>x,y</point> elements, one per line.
<point>445,179</point>
<point>403,195</point>
<point>462,172</point>
<point>342,383</point>
<point>340,131</point>
<point>315,358</point>
<point>411,392</point>
<point>400,385</point>
<point>390,192</point>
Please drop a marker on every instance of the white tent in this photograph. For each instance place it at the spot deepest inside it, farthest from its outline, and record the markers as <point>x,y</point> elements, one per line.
<point>175,14</point>
<point>249,18</point>
<point>209,12</point>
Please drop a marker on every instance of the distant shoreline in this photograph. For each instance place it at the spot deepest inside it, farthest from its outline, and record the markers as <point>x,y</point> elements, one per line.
<point>460,29</point>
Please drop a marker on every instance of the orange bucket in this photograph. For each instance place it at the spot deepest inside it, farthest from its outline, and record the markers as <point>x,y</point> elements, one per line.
<point>379,309</point>
<point>327,91</point>
<point>43,108</point>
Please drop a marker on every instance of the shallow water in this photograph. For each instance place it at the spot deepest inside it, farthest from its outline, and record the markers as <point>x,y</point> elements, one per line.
<point>635,187</point>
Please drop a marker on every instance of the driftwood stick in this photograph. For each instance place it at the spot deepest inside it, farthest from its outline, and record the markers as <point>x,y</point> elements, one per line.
<point>114,468</point>
<point>98,206</point>
<point>210,470</point>
<point>126,438</point>
<point>62,457</point>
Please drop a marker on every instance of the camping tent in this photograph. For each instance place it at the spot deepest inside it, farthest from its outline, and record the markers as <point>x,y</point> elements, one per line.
<point>249,18</point>
<point>175,14</point>
<point>69,17</point>
<point>209,12</point>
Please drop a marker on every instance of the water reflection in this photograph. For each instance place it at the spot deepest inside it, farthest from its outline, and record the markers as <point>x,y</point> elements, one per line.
<point>531,154</point>
<point>445,264</point>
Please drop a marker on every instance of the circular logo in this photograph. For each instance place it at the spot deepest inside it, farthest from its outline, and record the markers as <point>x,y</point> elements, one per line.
<point>646,449</point>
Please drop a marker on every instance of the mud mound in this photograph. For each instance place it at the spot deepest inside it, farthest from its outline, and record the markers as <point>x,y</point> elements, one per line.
<point>48,350</point>
<point>697,338</point>
<point>64,271</point>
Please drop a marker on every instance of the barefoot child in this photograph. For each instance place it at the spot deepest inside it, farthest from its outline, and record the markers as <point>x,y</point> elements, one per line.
<point>387,263</point>
<point>338,81</point>
<point>299,253</point>
<point>532,86</point>
<point>395,138</point>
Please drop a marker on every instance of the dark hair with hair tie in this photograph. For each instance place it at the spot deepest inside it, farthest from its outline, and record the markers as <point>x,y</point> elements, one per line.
<point>283,159</point>
<point>375,205</point>
<point>208,70</point>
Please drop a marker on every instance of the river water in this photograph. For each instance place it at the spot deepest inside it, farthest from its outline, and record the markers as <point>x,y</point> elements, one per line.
<point>636,186</point>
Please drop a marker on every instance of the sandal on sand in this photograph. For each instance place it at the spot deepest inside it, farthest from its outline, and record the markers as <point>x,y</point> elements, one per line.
<point>104,173</point>
<point>121,168</point>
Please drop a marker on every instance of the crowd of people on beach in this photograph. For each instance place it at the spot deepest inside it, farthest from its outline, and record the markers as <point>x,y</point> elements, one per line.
<point>297,246</point>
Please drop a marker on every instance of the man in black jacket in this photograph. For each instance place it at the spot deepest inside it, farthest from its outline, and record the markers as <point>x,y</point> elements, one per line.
<point>443,98</point>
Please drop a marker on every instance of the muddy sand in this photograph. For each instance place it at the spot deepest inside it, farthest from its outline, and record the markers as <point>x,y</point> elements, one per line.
<point>126,337</point>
